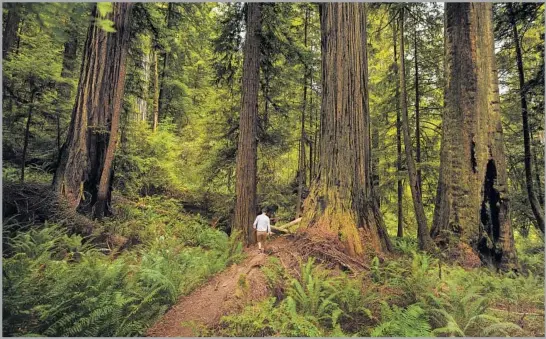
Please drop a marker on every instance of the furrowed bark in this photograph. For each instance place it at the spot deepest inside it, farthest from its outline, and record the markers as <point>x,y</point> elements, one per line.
<point>341,204</point>
<point>87,155</point>
<point>245,188</point>
<point>472,205</point>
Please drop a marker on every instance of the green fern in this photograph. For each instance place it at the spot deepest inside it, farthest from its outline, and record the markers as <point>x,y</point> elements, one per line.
<point>398,322</point>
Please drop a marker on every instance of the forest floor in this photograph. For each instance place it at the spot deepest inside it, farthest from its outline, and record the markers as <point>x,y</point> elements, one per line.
<point>225,293</point>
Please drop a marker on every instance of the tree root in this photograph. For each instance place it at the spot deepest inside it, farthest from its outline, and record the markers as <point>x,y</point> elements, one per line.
<point>326,251</point>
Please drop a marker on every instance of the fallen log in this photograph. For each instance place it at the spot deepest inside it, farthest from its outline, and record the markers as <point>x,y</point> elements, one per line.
<point>282,228</point>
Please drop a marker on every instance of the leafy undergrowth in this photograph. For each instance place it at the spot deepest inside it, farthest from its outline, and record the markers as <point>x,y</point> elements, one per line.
<point>61,285</point>
<point>405,297</point>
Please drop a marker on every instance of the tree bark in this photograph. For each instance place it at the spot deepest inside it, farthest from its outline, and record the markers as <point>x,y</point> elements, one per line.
<point>87,155</point>
<point>472,205</point>
<point>142,99</point>
<point>67,72</point>
<point>27,134</point>
<point>399,186</point>
<point>245,188</point>
<point>425,241</point>
<point>535,205</point>
<point>341,205</point>
<point>11,28</point>
<point>156,94</point>
<point>166,56</point>
<point>417,116</point>
<point>302,168</point>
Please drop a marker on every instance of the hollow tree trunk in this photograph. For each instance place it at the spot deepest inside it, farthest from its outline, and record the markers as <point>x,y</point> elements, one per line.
<point>341,205</point>
<point>535,205</point>
<point>472,205</point>
<point>87,155</point>
<point>245,187</point>
<point>11,28</point>
<point>425,241</point>
<point>399,186</point>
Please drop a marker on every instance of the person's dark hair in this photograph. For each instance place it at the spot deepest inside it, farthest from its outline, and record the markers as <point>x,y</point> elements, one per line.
<point>265,210</point>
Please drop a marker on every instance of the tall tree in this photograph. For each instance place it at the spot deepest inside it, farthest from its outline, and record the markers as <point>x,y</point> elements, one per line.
<point>535,205</point>
<point>301,164</point>
<point>425,241</point>
<point>156,94</point>
<point>341,204</point>
<point>417,111</point>
<point>399,185</point>
<point>87,155</point>
<point>245,190</point>
<point>472,204</point>
<point>166,59</point>
<point>11,27</point>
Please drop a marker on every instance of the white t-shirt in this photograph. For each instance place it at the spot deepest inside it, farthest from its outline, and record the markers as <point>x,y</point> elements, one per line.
<point>262,223</point>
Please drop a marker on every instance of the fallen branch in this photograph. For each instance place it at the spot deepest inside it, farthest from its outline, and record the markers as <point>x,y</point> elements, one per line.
<point>283,228</point>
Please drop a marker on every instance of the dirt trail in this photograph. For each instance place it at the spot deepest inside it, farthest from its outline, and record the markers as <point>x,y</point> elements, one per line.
<point>220,295</point>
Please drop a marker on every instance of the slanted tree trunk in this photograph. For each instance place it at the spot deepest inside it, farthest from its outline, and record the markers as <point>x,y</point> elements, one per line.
<point>88,153</point>
<point>472,205</point>
<point>245,187</point>
<point>425,241</point>
<point>399,186</point>
<point>535,205</point>
<point>11,28</point>
<point>341,205</point>
<point>302,172</point>
<point>156,94</point>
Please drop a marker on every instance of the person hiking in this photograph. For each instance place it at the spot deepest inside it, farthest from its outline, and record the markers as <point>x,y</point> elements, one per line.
<point>262,226</point>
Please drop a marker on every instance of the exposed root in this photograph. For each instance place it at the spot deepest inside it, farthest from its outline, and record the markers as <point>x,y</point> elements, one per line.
<point>326,250</point>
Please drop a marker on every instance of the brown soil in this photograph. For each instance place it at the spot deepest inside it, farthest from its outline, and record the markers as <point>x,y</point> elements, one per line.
<point>225,293</point>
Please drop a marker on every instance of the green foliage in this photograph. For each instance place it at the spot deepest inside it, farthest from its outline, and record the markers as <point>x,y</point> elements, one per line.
<point>399,322</point>
<point>58,285</point>
<point>315,304</point>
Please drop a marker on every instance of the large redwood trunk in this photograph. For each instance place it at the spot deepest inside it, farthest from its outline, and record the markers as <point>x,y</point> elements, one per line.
<point>88,153</point>
<point>472,205</point>
<point>245,189</point>
<point>341,204</point>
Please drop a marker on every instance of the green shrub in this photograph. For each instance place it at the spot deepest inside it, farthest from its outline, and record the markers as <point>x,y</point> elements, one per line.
<point>56,286</point>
